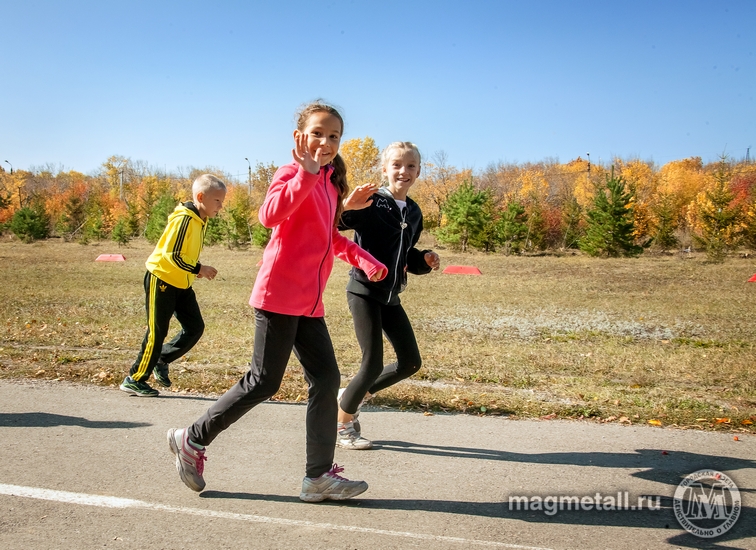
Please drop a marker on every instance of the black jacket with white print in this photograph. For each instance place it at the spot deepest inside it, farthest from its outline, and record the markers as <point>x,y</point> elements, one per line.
<point>390,235</point>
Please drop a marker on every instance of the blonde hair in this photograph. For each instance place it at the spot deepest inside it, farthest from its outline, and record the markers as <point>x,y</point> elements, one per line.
<point>402,145</point>
<point>205,182</point>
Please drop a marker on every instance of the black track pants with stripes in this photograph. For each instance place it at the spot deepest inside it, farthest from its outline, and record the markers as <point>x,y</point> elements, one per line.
<point>163,301</point>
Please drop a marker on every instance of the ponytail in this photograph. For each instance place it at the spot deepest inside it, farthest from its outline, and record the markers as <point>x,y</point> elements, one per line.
<point>339,181</point>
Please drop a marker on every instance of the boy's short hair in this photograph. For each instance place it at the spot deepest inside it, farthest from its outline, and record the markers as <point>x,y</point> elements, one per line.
<point>206,182</point>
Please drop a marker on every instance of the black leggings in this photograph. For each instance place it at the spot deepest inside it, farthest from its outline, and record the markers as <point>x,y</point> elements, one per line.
<point>371,320</point>
<point>275,337</point>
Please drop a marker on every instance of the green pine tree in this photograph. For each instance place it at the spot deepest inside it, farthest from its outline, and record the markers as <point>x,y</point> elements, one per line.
<point>261,235</point>
<point>513,228</point>
<point>572,215</point>
<point>720,226</point>
<point>237,215</point>
<point>466,216</point>
<point>132,218</point>
<point>535,239</point>
<point>31,223</point>
<point>610,224</point>
<point>666,223</point>
<point>217,230</point>
<point>73,217</point>
<point>121,233</point>
<point>164,205</point>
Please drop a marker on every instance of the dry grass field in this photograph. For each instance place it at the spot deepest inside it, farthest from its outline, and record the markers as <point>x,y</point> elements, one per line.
<point>665,339</point>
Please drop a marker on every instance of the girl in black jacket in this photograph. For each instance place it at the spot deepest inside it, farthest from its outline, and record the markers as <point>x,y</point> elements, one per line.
<point>389,229</point>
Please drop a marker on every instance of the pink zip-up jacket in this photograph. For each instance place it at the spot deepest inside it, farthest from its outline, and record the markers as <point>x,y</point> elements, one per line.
<point>300,208</point>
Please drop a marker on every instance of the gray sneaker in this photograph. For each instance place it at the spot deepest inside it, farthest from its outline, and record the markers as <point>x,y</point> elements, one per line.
<point>161,374</point>
<point>141,389</point>
<point>190,461</point>
<point>330,486</point>
<point>349,438</point>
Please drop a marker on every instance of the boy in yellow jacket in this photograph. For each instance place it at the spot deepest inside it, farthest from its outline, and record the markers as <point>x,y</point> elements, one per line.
<point>171,270</point>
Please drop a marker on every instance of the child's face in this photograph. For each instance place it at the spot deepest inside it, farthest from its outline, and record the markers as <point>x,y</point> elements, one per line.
<point>323,132</point>
<point>210,202</point>
<point>402,169</point>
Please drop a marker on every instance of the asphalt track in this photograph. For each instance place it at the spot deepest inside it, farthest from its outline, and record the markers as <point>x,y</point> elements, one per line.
<point>88,467</point>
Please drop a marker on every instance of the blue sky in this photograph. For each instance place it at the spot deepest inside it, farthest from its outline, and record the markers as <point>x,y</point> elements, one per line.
<point>198,84</point>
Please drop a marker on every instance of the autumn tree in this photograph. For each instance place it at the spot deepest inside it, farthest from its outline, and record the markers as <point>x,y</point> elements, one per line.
<point>262,176</point>
<point>362,159</point>
<point>74,211</point>
<point>437,181</point>
<point>237,214</point>
<point>641,179</point>
<point>610,229</point>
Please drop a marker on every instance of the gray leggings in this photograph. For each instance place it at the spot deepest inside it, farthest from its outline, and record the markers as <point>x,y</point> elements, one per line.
<point>371,320</point>
<point>275,337</point>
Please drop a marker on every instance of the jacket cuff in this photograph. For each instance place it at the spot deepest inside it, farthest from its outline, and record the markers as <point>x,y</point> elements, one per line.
<point>371,269</point>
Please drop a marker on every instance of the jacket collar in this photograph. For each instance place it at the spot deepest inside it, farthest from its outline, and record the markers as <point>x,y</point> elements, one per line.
<point>191,206</point>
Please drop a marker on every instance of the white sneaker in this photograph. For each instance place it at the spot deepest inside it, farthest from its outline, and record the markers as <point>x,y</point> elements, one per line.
<point>190,461</point>
<point>330,486</point>
<point>357,427</point>
<point>348,438</point>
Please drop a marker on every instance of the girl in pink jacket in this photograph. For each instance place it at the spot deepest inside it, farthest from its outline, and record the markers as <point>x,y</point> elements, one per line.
<point>302,206</point>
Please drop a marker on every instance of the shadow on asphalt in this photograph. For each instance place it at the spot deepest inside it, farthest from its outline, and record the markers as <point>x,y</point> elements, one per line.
<point>661,518</point>
<point>668,467</point>
<point>48,420</point>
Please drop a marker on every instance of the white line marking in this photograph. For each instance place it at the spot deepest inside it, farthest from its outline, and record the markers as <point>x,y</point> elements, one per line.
<point>117,502</point>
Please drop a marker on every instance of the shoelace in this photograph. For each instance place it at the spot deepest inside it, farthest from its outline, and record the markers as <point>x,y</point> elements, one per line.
<point>198,456</point>
<point>335,471</point>
<point>200,462</point>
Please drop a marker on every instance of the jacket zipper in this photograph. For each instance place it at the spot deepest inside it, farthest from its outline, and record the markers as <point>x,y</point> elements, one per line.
<point>399,254</point>
<point>330,236</point>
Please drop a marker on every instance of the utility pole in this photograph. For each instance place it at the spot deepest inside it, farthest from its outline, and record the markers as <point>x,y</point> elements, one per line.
<point>748,156</point>
<point>589,165</point>
<point>9,164</point>
<point>249,176</point>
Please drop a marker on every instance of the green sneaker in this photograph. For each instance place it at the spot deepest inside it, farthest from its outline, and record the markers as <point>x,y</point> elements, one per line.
<point>141,389</point>
<point>161,374</point>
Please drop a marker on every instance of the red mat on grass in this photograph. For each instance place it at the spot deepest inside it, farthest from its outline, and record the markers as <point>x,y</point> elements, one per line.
<point>752,279</point>
<point>110,258</point>
<point>462,270</point>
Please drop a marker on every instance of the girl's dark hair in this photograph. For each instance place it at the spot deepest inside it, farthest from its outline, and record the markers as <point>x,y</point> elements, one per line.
<point>339,174</point>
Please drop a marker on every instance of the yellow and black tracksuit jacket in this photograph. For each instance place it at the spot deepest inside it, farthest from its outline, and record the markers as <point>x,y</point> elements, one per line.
<point>175,259</point>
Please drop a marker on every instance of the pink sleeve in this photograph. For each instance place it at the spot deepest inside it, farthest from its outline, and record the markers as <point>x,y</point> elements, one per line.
<point>290,186</point>
<point>351,253</point>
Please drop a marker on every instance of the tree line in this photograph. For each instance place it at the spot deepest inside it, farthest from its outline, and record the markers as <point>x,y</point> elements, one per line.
<point>619,208</point>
